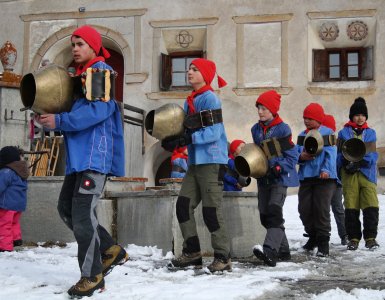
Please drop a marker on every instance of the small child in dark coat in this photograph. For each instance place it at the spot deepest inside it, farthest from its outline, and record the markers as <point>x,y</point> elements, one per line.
<point>13,195</point>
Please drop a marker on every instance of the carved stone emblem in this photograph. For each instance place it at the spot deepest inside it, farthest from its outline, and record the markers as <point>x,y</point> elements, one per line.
<point>357,30</point>
<point>328,31</point>
<point>184,38</point>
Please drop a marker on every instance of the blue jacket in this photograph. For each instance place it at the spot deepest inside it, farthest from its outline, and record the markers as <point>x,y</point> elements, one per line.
<point>182,163</point>
<point>287,161</point>
<point>209,144</point>
<point>13,190</point>
<point>326,161</point>
<point>93,134</point>
<point>229,181</point>
<point>368,135</point>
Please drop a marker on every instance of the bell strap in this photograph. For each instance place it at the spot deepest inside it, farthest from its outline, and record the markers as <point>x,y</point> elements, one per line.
<point>274,147</point>
<point>96,84</point>
<point>328,140</point>
<point>369,146</point>
<point>203,119</point>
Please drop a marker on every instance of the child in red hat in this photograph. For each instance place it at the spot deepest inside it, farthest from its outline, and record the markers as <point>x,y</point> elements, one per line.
<point>206,141</point>
<point>272,188</point>
<point>179,162</point>
<point>318,181</point>
<point>336,202</point>
<point>93,134</point>
<point>232,181</point>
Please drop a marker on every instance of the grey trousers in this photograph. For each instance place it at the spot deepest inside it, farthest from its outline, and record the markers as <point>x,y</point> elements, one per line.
<point>203,183</point>
<point>271,199</point>
<point>77,208</point>
<point>339,211</point>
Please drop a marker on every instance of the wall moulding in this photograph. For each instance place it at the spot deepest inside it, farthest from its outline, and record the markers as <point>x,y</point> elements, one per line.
<point>342,14</point>
<point>260,90</point>
<point>262,18</point>
<point>184,22</point>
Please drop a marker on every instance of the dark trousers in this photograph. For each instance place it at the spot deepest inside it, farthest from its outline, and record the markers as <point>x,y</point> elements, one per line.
<point>314,198</point>
<point>271,199</point>
<point>77,208</point>
<point>339,211</point>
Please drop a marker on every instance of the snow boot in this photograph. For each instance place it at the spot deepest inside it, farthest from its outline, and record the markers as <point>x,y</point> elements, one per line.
<point>220,264</point>
<point>268,255</point>
<point>353,244</point>
<point>284,256</point>
<point>310,244</point>
<point>323,246</point>
<point>86,286</point>
<point>17,243</point>
<point>188,259</point>
<point>371,244</point>
<point>113,256</point>
<point>344,240</point>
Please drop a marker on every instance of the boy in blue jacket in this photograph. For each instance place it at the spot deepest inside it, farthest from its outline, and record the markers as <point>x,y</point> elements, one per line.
<point>93,135</point>
<point>232,181</point>
<point>207,156</point>
<point>272,188</point>
<point>318,182</point>
<point>359,179</point>
<point>13,196</point>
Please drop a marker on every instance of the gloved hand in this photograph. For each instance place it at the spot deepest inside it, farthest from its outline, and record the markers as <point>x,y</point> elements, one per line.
<point>352,167</point>
<point>274,172</point>
<point>173,142</point>
<point>244,181</point>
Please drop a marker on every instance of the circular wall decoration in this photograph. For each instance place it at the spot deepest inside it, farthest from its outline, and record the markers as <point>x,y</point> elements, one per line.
<point>357,30</point>
<point>328,31</point>
<point>184,38</point>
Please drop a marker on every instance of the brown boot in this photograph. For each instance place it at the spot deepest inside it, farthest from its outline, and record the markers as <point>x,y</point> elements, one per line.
<point>114,256</point>
<point>86,286</point>
<point>188,259</point>
<point>220,264</point>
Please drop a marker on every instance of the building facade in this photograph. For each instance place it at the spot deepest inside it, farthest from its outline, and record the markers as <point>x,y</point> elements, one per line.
<point>328,52</point>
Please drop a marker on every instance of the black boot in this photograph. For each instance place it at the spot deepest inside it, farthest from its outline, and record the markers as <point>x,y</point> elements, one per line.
<point>310,244</point>
<point>323,246</point>
<point>268,255</point>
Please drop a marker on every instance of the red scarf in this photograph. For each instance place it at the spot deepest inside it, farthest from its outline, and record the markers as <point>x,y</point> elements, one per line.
<point>176,154</point>
<point>354,125</point>
<point>277,120</point>
<point>190,99</point>
<point>80,69</point>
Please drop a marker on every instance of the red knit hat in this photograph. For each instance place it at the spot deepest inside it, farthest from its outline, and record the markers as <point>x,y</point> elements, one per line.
<point>208,70</point>
<point>234,145</point>
<point>93,38</point>
<point>271,100</point>
<point>329,122</point>
<point>314,111</point>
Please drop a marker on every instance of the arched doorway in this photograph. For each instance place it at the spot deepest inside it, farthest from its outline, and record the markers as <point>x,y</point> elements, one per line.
<point>164,170</point>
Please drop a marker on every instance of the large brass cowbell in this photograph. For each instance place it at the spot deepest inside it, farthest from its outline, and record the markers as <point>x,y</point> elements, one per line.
<point>47,90</point>
<point>251,161</point>
<point>165,121</point>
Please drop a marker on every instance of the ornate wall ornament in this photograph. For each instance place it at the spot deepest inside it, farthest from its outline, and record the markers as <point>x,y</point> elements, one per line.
<point>184,38</point>
<point>357,30</point>
<point>328,31</point>
<point>8,55</point>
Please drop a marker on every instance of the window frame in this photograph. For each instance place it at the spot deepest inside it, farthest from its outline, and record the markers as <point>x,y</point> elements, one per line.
<point>166,69</point>
<point>321,68</point>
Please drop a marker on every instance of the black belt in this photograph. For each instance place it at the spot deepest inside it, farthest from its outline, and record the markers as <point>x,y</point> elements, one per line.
<point>328,140</point>
<point>178,169</point>
<point>274,147</point>
<point>203,119</point>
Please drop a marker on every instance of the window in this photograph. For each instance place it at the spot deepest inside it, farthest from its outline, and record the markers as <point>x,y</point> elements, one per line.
<point>174,69</point>
<point>343,64</point>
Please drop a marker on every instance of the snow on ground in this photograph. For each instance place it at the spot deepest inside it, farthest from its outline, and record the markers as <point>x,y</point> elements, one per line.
<point>47,273</point>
